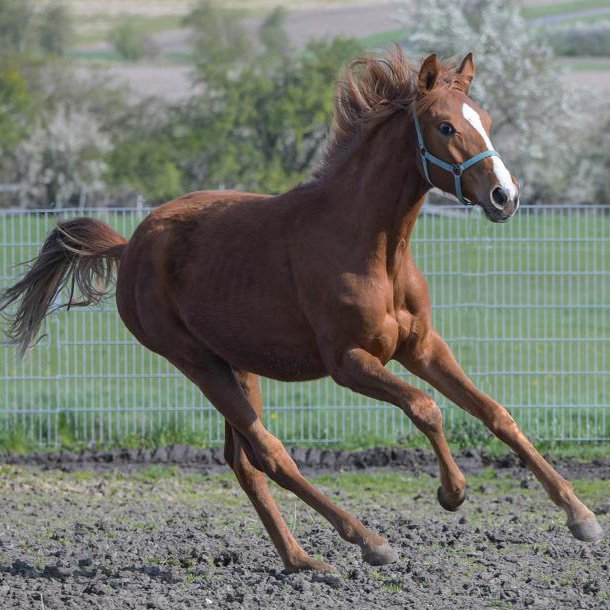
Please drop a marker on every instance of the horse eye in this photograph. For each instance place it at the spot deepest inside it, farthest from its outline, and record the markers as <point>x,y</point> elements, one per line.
<point>447,129</point>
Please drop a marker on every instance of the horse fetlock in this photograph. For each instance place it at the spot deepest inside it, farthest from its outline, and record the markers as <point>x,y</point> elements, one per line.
<point>575,509</point>
<point>581,521</point>
<point>299,561</point>
<point>458,483</point>
<point>348,532</point>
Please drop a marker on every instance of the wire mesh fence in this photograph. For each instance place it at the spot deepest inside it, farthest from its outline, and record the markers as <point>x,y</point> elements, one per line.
<point>525,307</point>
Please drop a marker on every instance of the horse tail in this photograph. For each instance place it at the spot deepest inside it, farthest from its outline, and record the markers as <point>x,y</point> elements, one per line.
<point>84,250</point>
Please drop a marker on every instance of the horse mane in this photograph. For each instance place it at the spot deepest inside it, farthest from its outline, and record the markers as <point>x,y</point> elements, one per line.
<point>373,89</point>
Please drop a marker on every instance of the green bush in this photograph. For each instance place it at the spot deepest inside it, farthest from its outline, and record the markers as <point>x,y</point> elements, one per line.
<point>55,29</point>
<point>25,31</point>
<point>130,42</point>
<point>15,26</point>
<point>583,39</point>
<point>145,163</point>
<point>18,104</point>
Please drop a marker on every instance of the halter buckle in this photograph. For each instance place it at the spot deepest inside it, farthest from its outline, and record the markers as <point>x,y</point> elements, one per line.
<point>457,169</point>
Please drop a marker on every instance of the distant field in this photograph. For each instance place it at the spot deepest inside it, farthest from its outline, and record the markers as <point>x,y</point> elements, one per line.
<point>161,7</point>
<point>558,8</point>
<point>589,65</point>
<point>524,305</point>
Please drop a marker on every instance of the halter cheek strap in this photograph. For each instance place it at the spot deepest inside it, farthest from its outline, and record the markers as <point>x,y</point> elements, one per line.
<point>457,169</point>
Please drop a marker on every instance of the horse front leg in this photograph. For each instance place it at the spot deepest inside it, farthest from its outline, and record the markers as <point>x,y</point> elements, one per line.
<point>433,361</point>
<point>365,374</point>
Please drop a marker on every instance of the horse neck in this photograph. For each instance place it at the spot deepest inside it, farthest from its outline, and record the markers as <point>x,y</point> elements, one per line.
<point>376,193</point>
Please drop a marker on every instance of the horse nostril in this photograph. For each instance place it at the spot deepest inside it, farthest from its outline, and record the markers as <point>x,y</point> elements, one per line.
<point>499,197</point>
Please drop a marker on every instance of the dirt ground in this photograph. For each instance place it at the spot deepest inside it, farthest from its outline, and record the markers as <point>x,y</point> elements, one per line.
<point>134,530</point>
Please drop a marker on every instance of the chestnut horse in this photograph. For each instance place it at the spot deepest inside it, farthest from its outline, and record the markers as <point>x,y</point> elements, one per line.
<point>318,281</point>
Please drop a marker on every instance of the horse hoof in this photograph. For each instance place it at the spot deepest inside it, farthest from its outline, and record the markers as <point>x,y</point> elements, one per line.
<point>380,555</point>
<point>588,530</point>
<point>450,502</point>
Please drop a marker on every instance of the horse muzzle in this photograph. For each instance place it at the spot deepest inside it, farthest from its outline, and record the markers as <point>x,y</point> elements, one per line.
<point>502,204</point>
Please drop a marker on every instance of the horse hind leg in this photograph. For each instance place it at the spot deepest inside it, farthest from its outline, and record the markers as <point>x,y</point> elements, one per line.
<point>254,483</point>
<point>218,382</point>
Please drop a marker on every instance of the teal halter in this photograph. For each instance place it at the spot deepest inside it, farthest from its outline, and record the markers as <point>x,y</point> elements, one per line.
<point>457,169</point>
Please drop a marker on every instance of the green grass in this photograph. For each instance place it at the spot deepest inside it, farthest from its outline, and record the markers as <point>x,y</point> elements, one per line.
<point>383,39</point>
<point>96,56</point>
<point>583,19</point>
<point>95,28</point>
<point>522,306</point>
<point>545,10</point>
<point>585,66</point>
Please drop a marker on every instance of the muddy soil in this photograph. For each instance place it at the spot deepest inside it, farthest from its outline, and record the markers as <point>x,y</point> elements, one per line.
<point>128,533</point>
<point>412,461</point>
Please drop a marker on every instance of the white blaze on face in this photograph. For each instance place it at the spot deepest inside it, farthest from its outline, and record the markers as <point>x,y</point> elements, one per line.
<point>502,174</point>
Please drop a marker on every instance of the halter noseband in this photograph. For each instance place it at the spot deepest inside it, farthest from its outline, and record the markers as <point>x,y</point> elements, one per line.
<point>457,169</point>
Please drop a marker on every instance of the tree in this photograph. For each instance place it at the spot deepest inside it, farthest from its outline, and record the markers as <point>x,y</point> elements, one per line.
<point>56,129</point>
<point>146,159</point>
<point>257,121</point>
<point>62,160</point>
<point>16,19</point>
<point>595,170</point>
<point>261,128</point>
<point>262,112</point>
<point>130,41</point>
<point>55,29</point>
<point>17,105</point>
<point>24,31</point>
<point>219,41</point>
<point>272,32</point>
<point>536,122</point>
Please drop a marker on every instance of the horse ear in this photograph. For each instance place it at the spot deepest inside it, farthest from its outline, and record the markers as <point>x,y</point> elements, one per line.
<point>466,69</point>
<point>428,73</point>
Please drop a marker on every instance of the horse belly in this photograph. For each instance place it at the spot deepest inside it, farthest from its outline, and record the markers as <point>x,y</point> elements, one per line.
<point>284,365</point>
<point>261,339</point>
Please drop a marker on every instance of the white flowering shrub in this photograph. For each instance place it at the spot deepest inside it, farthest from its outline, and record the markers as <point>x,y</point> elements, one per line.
<point>538,119</point>
<point>58,133</point>
<point>62,160</point>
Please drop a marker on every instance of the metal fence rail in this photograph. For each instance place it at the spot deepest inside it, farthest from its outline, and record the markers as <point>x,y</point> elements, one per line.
<point>525,306</point>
